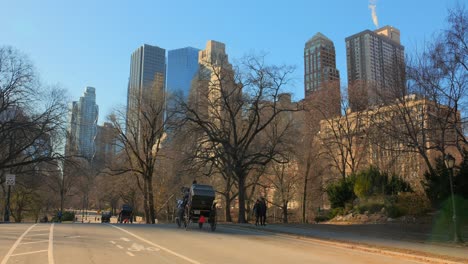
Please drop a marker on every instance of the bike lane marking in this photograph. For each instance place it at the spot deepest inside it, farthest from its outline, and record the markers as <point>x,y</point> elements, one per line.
<point>8,255</point>
<point>50,254</point>
<point>34,242</point>
<point>158,246</point>
<point>30,252</point>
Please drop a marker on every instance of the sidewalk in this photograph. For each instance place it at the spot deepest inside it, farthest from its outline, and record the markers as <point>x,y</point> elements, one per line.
<point>403,239</point>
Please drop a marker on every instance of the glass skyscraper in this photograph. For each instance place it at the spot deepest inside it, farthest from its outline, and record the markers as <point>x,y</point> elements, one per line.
<point>83,125</point>
<point>182,67</point>
<point>147,75</point>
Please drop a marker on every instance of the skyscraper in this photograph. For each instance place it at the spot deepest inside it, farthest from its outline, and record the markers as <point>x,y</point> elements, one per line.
<point>321,78</point>
<point>146,82</point>
<point>215,74</point>
<point>376,67</point>
<point>182,66</point>
<point>83,125</point>
<point>319,63</point>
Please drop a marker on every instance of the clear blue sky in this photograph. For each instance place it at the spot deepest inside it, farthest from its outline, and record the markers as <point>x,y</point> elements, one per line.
<point>89,42</point>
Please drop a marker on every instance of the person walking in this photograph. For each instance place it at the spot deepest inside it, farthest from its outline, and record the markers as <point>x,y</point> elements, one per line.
<point>263,210</point>
<point>256,211</point>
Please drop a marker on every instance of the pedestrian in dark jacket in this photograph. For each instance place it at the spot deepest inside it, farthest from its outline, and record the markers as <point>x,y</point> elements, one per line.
<point>256,211</point>
<point>263,210</point>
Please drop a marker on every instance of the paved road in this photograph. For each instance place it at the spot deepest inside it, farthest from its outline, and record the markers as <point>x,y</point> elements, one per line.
<point>163,243</point>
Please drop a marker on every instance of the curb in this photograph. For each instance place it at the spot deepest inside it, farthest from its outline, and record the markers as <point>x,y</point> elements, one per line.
<point>410,254</point>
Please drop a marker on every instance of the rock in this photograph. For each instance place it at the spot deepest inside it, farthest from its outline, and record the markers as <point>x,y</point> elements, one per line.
<point>383,210</point>
<point>366,212</point>
<point>390,219</point>
<point>348,217</point>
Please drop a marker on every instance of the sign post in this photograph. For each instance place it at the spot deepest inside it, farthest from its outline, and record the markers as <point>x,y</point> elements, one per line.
<point>10,181</point>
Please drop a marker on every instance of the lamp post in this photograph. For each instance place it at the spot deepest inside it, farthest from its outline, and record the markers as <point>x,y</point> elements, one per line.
<point>450,163</point>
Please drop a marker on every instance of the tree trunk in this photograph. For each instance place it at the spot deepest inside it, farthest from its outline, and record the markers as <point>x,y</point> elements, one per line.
<point>152,212</point>
<point>227,196</point>
<point>285,212</point>
<point>304,196</point>
<point>241,218</point>
<point>145,202</point>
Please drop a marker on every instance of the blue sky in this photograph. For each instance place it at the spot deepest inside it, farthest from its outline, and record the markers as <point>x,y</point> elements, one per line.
<point>89,42</point>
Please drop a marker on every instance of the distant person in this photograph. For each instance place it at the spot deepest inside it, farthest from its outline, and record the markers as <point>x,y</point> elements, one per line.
<point>263,211</point>
<point>256,211</point>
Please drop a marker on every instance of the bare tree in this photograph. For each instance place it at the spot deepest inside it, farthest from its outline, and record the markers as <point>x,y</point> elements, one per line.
<point>141,132</point>
<point>233,109</point>
<point>430,120</point>
<point>31,116</point>
<point>284,179</point>
<point>340,137</point>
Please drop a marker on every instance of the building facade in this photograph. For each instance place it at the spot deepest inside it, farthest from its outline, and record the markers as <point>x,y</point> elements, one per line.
<point>215,74</point>
<point>182,66</point>
<point>386,138</point>
<point>146,82</point>
<point>106,144</point>
<point>82,130</point>
<point>321,78</point>
<point>376,67</point>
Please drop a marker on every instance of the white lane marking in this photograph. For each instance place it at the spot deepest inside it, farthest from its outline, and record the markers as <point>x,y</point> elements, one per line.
<point>31,252</point>
<point>130,254</point>
<point>119,246</point>
<point>152,249</point>
<point>125,239</point>
<point>50,255</point>
<point>43,234</point>
<point>8,255</point>
<point>40,241</point>
<point>158,246</point>
<point>112,242</point>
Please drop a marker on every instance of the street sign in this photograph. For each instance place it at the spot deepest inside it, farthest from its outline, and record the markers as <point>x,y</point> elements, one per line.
<point>10,179</point>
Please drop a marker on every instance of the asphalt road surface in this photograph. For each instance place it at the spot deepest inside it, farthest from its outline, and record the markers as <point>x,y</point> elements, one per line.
<point>165,243</point>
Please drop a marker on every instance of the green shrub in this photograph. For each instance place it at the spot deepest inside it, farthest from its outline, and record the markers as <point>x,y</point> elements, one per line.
<point>369,182</point>
<point>336,211</point>
<point>394,211</point>
<point>397,185</point>
<point>341,192</point>
<point>413,203</point>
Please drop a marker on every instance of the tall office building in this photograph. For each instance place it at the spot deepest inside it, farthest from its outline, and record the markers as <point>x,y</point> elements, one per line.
<point>321,78</point>
<point>215,73</point>
<point>376,67</point>
<point>83,125</point>
<point>146,82</point>
<point>182,66</point>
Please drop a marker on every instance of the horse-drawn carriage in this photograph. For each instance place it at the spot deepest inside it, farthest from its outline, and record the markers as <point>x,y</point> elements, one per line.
<point>198,206</point>
<point>125,215</point>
